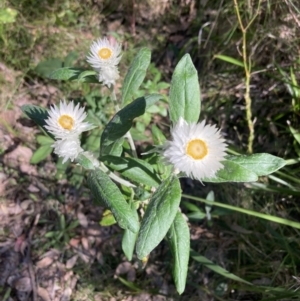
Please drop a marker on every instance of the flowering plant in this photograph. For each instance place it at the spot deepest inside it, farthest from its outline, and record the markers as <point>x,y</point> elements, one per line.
<point>116,175</point>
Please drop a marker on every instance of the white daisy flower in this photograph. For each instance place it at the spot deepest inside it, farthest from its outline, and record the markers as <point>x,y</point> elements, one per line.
<point>108,75</point>
<point>196,149</point>
<point>67,120</point>
<point>68,148</point>
<point>104,53</point>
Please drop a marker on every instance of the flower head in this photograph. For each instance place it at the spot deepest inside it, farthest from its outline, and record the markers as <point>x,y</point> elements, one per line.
<point>196,149</point>
<point>104,53</point>
<point>67,148</point>
<point>66,121</point>
<point>108,75</point>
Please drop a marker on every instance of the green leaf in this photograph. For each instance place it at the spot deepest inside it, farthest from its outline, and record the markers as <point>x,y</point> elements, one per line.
<point>184,95</point>
<point>121,123</point>
<point>230,60</point>
<point>179,240</point>
<point>88,76</point>
<point>92,142</point>
<point>8,15</point>
<point>44,140</point>
<point>130,285</point>
<point>45,68</point>
<point>134,169</point>
<point>37,114</point>
<point>85,161</point>
<point>106,191</point>
<point>247,168</point>
<point>128,243</point>
<point>108,219</point>
<point>295,133</point>
<point>196,213</point>
<point>135,75</point>
<point>159,216</point>
<point>216,268</point>
<point>117,148</point>
<point>66,73</point>
<point>40,154</point>
<point>261,164</point>
<point>158,136</point>
<point>267,217</point>
<point>232,172</point>
<point>70,58</point>
<point>129,239</point>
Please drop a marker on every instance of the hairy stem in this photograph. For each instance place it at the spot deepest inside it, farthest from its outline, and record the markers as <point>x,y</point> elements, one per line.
<point>247,68</point>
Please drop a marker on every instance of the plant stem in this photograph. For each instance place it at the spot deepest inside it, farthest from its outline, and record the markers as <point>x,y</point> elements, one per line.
<point>247,68</point>
<point>114,176</point>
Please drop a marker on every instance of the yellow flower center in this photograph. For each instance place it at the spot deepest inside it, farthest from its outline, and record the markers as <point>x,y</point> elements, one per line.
<point>66,122</point>
<point>197,149</point>
<point>105,53</point>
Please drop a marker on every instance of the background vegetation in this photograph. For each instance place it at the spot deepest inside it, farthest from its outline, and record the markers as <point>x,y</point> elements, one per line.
<point>247,56</point>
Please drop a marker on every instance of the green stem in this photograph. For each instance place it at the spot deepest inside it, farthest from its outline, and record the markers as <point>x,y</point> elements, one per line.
<point>114,176</point>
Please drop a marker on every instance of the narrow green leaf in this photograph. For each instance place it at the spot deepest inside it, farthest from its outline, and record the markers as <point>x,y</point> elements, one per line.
<point>134,169</point>
<point>268,217</point>
<point>159,216</point>
<point>196,215</point>
<point>261,164</point>
<point>66,73</point>
<point>107,192</point>
<point>129,239</point>
<point>232,172</point>
<point>158,136</point>
<point>296,88</point>
<point>130,285</point>
<point>88,76</point>
<point>191,207</point>
<point>216,268</point>
<point>184,95</point>
<point>179,239</point>
<point>135,75</point>
<point>295,133</point>
<point>62,222</point>
<point>37,114</point>
<point>229,59</point>
<point>40,154</point>
<point>44,140</point>
<point>121,123</point>
<point>128,243</point>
